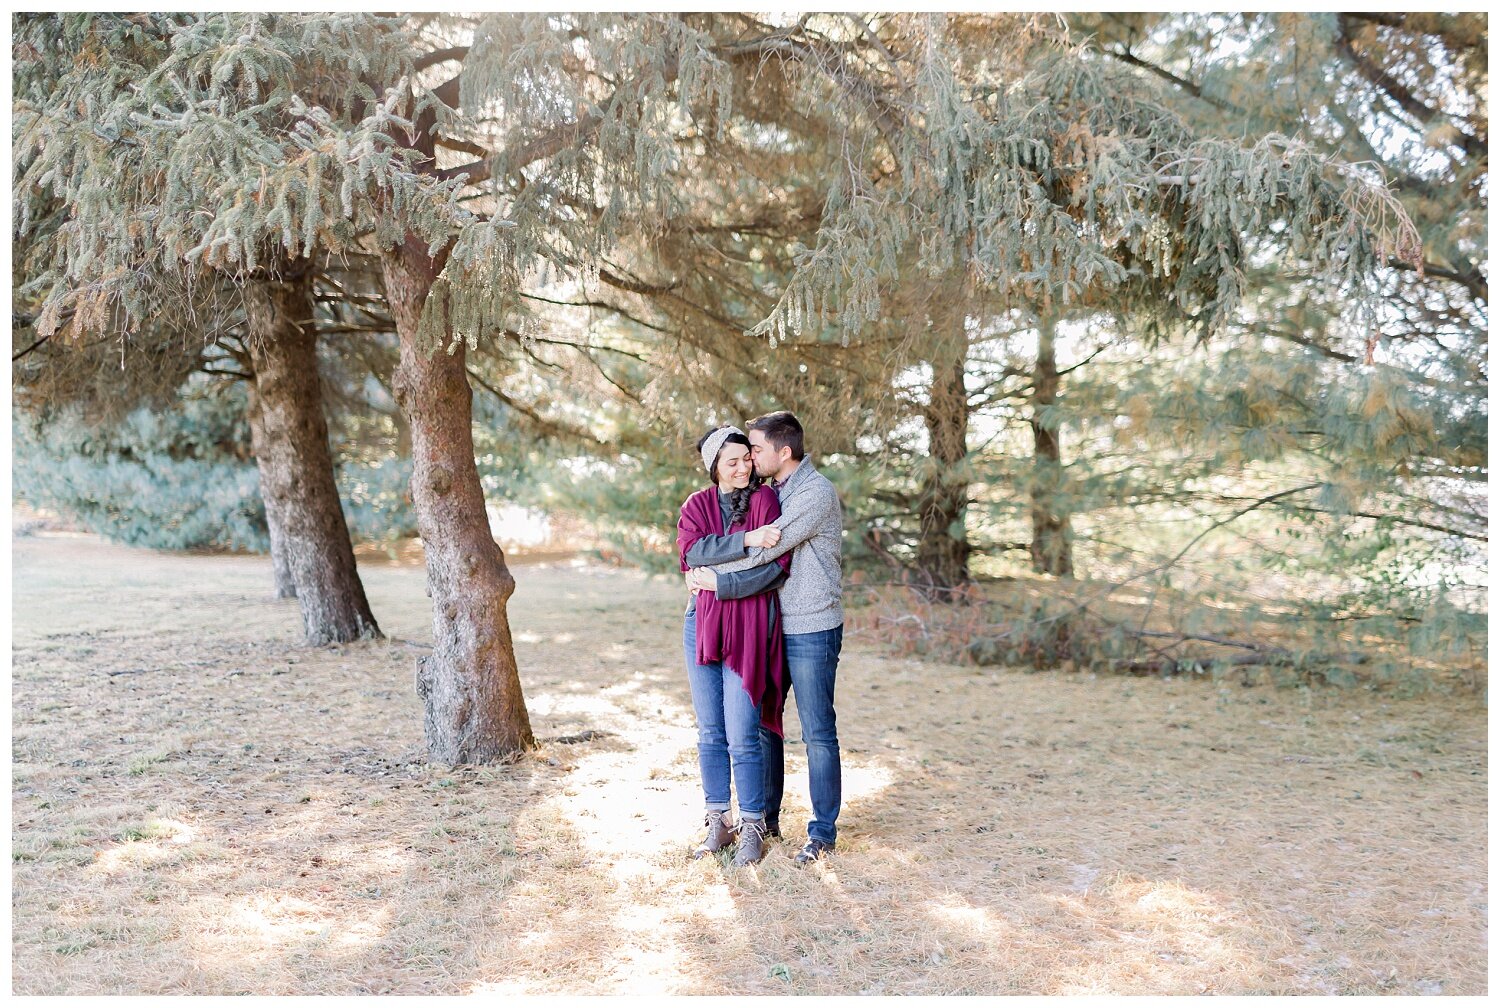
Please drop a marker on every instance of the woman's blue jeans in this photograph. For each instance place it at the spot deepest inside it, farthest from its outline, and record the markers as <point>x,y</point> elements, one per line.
<point>728,732</point>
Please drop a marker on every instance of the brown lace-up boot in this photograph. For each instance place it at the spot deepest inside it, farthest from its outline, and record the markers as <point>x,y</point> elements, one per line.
<point>752,842</point>
<point>721,833</point>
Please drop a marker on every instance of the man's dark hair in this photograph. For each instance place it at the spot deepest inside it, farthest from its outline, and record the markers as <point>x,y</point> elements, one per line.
<point>782,430</point>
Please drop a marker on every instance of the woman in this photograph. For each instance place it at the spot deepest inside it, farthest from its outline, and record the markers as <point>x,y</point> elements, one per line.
<point>733,647</point>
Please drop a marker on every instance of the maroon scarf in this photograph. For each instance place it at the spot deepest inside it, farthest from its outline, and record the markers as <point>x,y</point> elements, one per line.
<point>735,631</point>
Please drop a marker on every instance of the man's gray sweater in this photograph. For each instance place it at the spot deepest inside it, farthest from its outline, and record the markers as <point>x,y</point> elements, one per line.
<point>812,525</point>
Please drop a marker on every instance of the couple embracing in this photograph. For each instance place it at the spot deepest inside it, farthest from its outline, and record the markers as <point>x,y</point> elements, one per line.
<point>760,550</point>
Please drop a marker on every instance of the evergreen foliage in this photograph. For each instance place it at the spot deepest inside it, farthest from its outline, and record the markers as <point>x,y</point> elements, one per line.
<point>1057,178</point>
<point>1267,380</point>
<point>254,96</point>
<point>182,476</point>
<point>1170,447</point>
<point>179,478</point>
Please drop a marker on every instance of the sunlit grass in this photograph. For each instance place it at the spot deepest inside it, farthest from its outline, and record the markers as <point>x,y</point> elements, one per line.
<point>1003,831</point>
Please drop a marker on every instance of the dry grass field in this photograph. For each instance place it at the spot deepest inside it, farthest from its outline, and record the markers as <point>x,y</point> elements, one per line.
<point>201,804</point>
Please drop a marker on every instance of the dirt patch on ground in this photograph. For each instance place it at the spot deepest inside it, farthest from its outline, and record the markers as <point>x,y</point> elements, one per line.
<point>201,804</point>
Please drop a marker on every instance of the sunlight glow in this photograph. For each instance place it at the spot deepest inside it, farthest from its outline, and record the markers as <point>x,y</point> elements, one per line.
<point>554,705</point>
<point>865,781</point>
<point>719,904</point>
<point>278,918</point>
<point>156,846</point>
<point>518,526</point>
<point>643,917</point>
<point>974,918</point>
<point>503,988</point>
<point>1168,902</point>
<point>643,971</point>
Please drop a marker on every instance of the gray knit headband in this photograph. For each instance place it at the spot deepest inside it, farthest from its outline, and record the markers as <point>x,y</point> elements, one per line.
<point>713,444</point>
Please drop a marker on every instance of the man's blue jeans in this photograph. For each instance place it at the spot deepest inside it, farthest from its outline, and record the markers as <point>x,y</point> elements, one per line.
<point>812,660</point>
<point>727,724</point>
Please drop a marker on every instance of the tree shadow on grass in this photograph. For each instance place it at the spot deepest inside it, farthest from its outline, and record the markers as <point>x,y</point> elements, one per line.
<point>1037,834</point>
<point>361,885</point>
<point>1002,833</point>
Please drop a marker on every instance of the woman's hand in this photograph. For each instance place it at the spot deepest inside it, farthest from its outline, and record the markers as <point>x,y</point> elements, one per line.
<point>765,536</point>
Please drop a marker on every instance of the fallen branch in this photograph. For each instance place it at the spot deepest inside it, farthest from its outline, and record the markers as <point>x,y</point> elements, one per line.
<point>1169,666</point>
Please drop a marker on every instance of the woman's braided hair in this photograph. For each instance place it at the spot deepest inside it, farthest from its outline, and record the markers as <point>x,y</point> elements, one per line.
<point>739,500</point>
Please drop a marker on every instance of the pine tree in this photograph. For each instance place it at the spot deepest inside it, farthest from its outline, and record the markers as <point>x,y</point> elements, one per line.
<point>989,161</point>
<point>1159,312</point>
<point>114,258</point>
<point>1381,421</point>
<point>481,159</point>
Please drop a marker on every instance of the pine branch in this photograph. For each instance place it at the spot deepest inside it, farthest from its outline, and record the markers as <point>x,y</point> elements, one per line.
<point>1472,280</point>
<point>1130,58</point>
<point>729,324</point>
<point>1179,638</point>
<point>1374,17</point>
<point>880,47</point>
<point>1301,340</point>
<point>447,92</point>
<point>1281,656</point>
<point>230,374</point>
<point>1074,367</point>
<point>635,286</point>
<point>1000,547</point>
<point>1394,519</point>
<point>605,305</point>
<point>544,146</point>
<point>1403,181</point>
<point>535,150</point>
<point>345,330</point>
<point>1005,395</point>
<point>353,300</point>
<point>1400,180</point>
<point>464,147</point>
<point>1409,102</point>
<point>826,59</point>
<point>23,353</point>
<point>1446,28</point>
<point>581,347</point>
<point>543,424</point>
<point>432,59</point>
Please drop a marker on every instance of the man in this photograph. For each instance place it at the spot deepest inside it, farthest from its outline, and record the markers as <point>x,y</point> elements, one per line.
<point>812,613</point>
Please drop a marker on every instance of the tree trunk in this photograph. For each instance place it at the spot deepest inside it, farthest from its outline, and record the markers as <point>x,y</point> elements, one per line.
<point>1051,527</point>
<point>943,541</point>
<point>281,563</point>
<point>290,437</point>
<point>403,435</point>
<point>475,712</point>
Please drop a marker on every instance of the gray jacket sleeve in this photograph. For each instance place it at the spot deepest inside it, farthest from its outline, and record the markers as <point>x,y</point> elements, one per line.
<point>716,549</point>
<point>801,518</point>
<point>743,584</point>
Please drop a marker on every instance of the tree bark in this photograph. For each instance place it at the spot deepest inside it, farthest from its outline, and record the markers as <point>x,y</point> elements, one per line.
<point>943,500</point>
<point>403,435</point>
<point>1051,525</point>
<point>290,438</point>
<point>470,685</point>
<point>281,563</point>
